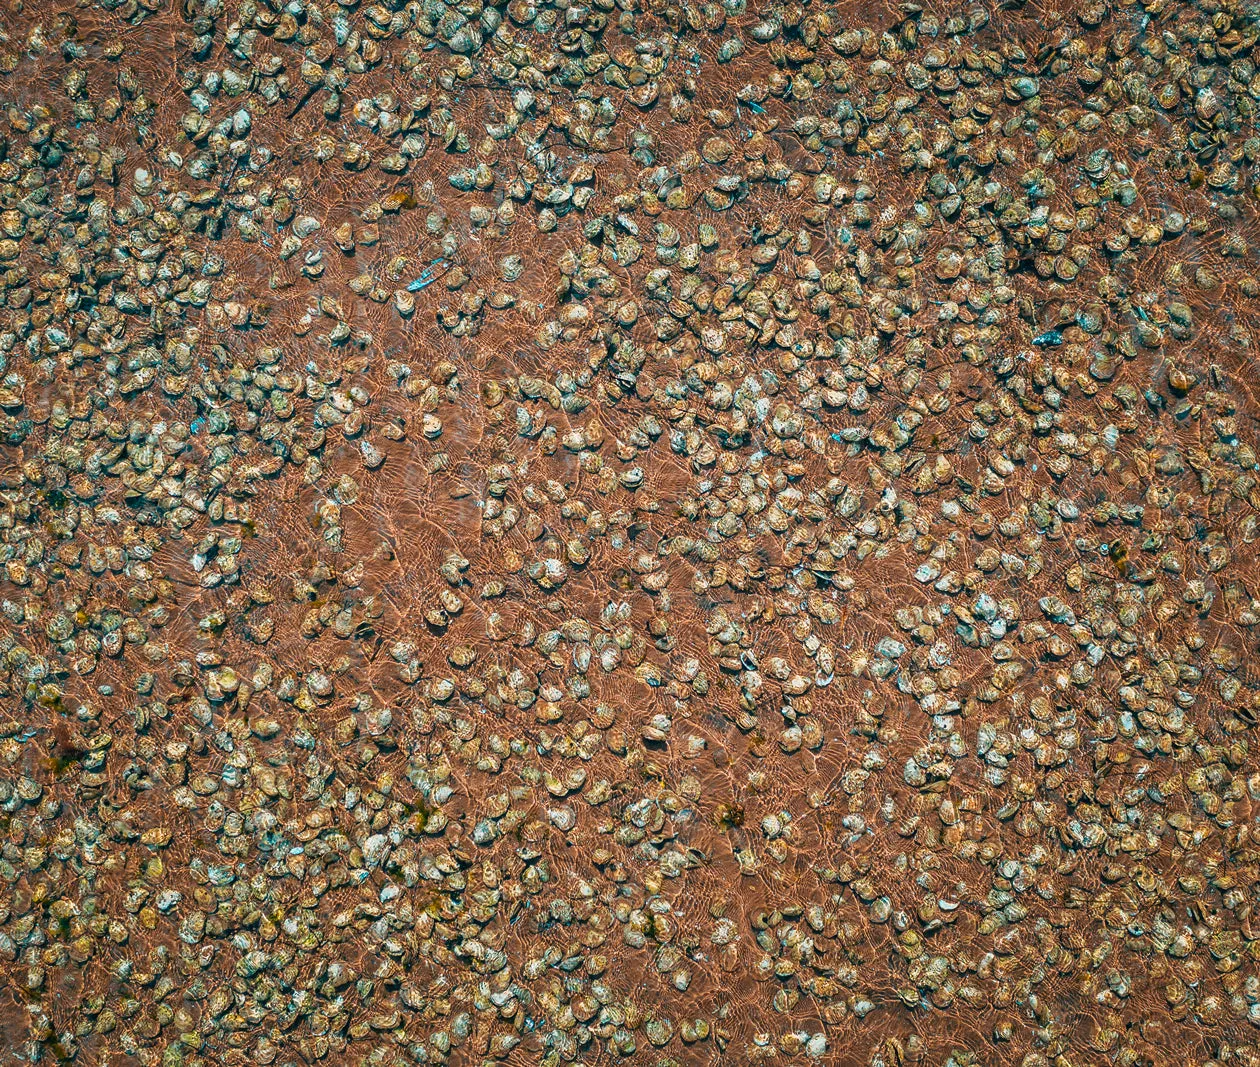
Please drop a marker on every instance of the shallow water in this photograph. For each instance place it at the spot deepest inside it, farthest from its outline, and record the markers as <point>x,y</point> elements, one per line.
<point>783,589</point>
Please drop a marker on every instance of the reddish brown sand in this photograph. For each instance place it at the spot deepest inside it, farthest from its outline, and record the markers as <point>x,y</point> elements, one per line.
<point>779,587</point>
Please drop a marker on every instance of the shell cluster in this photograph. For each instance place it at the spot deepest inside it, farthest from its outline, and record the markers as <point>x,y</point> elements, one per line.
<point>649,531</point>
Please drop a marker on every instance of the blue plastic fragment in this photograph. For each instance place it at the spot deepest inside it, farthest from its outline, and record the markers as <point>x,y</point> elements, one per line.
<point>756,109</point>
<point>426,278</point>
<point>1050,337</point>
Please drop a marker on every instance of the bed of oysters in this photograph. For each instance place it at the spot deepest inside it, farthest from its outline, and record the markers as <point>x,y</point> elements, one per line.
<point>637,532</point>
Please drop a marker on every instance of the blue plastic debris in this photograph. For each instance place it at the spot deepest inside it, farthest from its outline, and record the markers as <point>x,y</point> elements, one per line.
<point>427,277</point>
<point>756,109</point>
<point>1050,337</point>
<point>196,424</point>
